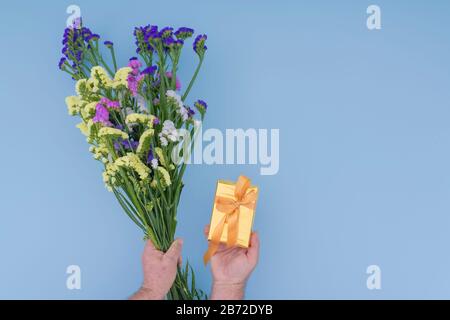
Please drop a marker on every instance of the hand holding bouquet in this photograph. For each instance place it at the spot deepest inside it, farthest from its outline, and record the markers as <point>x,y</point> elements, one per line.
<point>131,116</point>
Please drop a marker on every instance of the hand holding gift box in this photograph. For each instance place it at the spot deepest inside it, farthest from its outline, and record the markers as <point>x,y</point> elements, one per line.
<point>232,217</point>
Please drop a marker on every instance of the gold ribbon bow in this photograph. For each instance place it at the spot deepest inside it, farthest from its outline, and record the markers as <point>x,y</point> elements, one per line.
<point>231,208</point>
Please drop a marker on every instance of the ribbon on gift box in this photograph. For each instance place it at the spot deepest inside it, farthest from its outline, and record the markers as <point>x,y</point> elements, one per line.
<point>231,209</point>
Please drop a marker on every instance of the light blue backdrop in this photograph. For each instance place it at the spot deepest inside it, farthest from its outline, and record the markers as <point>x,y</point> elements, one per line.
<point>364,162</point>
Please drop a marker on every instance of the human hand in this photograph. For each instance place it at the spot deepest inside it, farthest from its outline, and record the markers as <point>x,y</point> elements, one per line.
<point>159,269</point>
<point>231,267</point>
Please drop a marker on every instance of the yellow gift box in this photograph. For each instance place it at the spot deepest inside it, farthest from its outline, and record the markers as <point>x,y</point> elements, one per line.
<point>233,214</point>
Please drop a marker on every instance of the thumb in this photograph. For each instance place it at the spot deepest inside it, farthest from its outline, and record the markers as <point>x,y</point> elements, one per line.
<point>174,251</point>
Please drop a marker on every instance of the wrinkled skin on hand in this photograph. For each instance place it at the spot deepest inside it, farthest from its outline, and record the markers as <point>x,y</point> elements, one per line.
<point>159,270</point>
<point>231,267</point>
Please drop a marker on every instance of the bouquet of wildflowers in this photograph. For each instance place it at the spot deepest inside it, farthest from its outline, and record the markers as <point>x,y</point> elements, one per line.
<point>131,116</point>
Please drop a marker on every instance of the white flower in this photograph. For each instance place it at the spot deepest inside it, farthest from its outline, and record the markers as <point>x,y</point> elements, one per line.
<point>181,108</point>
<point>142,104</point>
<point>154,163</point>
<point>172,94</point>
<point>184,113</point>
<point>168,133</point>
<point>163,140</point>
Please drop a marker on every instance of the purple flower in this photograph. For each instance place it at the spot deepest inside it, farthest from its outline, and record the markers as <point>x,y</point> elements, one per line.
<point>125,144</point>
<point>113,104</point>
<point>156,121</point>
<point>79,56</point>
<point>149,70</point>
<point>131,144</point>
<point>143,35</point>
<point>150,156</point>
<point>101,115</point>
<point>153,36</point>
<point>135,77</point>
<point>109,44</point>
<point>85,33</point>
<point>201,106</point>
<point>151,159</point>
<point>92,36</point>
<point>169,42</point>
<point>191,112</point>
<point>183,33</point>
<point>110,104</point>
<point>75,41</point>
<point>134,64</point>
<point>61,63</point>
<point>199,44</point>
<point>134,82</point>
<point>179,43</point>
<point>73,46</point>
<point>166,32</point>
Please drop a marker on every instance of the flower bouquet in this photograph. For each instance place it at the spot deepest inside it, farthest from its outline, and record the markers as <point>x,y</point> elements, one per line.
<point>131,116</point>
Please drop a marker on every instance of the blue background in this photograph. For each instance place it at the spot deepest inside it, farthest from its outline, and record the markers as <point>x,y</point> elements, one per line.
<point>364,147</point>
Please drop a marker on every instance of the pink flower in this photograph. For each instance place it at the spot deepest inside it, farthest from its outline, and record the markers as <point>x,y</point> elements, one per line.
<point>134,64</point>
<point>133,83</point>
<point>101,115</point>
<point>109,103</point>
<point>135,76</point>
<point>113,104</point>
<point>177,81</point>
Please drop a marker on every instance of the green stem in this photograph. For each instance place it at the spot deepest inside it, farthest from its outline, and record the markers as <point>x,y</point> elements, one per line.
<point>113,56</point>
<point>191,83</point>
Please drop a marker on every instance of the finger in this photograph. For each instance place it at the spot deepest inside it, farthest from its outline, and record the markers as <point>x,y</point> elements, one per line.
<point>174,251</point>
<point>253,250</point>
<point>206,230</point>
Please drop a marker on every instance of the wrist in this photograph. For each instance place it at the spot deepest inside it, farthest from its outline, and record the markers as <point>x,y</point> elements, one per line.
<point>227,291</point>
<point>147,294</point>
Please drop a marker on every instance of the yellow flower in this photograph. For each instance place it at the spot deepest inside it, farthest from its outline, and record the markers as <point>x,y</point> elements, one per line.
<point>120,78</point>
<point>89,110</point>
<point>101,75</point>
<point>93,85</point>
<point>160,156</point>
<point>73,105</point>
<point>83,128</point>
<point>166,181</point>
<point>91,127</point>
<point>144,142</point>
<point>100,152</point>
<point>81,87</point>
<point>109,175</point>
<point>145,119</point>
<point>132,161</point>
<point>112,133</point>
